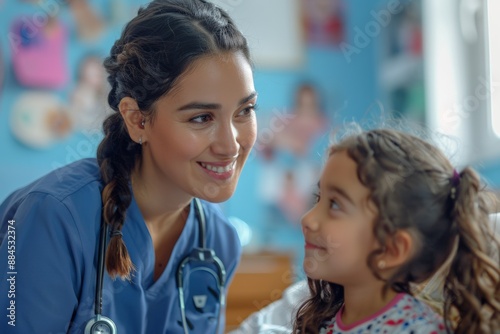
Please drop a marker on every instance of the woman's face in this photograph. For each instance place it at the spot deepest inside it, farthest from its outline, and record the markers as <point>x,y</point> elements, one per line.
<point>204,128</point>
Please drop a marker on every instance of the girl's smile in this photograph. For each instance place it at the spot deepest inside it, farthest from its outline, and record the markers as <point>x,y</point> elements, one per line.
<point>312,246</point>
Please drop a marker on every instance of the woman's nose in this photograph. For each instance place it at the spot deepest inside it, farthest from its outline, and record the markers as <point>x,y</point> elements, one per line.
<point>226,141</point>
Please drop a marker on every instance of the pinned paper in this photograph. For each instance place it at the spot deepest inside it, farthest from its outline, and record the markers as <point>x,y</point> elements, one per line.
<point>39,53</point>
<point>39,119</point>
<point>88,102</point>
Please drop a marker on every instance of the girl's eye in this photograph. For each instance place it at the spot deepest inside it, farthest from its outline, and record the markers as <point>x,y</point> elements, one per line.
<point>248,111</point>
<point>201,119</point>
<point>334,205</point>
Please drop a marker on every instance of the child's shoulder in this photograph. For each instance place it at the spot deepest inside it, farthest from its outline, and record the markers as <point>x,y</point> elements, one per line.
<point>405,314</point>
<point>411,315</point>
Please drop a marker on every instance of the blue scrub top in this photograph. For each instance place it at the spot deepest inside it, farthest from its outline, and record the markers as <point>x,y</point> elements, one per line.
<point>49,234</point>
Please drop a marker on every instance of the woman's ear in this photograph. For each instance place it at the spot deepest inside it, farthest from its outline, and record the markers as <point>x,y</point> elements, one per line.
<point>134,119</point>
<point>398,250</point>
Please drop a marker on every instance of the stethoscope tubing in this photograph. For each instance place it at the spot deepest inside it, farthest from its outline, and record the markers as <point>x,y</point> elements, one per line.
<point>201,250</point>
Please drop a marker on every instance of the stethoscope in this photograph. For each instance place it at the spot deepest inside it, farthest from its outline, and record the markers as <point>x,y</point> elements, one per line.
<point>100,324</point>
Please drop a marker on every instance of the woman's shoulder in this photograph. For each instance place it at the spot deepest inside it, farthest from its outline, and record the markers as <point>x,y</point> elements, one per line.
<point>81,175</point>
<point>64,205</point>
<point>74,189</point>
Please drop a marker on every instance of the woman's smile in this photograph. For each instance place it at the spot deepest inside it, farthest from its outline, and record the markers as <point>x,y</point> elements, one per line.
<point>219,170</point>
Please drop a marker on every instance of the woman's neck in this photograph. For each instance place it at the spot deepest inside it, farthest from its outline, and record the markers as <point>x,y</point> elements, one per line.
<point>158,203</point>
<point>165,210</point>
<point>361,302</point>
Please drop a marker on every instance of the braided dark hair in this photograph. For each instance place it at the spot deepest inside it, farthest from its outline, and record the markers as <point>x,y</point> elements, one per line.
<point>154,49</point>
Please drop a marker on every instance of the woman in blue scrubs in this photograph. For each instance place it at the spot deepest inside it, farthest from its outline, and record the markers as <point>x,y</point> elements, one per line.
<point>183,125</point>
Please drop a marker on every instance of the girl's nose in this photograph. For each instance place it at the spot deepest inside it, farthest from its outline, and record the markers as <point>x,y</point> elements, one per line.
<point>309,221</point>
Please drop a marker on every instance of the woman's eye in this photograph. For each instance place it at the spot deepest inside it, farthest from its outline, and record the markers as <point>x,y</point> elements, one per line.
<point>201,119</point>
<point>248,111</point>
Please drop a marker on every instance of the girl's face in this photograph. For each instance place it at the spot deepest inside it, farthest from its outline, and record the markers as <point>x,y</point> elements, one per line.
<point>204,128</point>
<point>338,230</point>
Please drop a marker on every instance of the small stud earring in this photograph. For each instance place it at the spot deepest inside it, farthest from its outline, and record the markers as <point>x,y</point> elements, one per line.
<point>143,123</point>
<point>381,264</point>
<point>140,140</point>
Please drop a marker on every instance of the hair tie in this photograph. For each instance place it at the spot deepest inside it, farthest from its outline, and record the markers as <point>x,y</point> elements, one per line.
<point>456,177</point>
<point>455,181</point>
<point>116,233</point>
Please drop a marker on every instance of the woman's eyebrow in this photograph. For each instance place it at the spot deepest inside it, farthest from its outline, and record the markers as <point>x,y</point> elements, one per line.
<point>200,105</point>
<point>213,106</point>
<point>248,98</point>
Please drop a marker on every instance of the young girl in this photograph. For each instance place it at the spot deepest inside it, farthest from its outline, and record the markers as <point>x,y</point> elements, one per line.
<point>391,212</point>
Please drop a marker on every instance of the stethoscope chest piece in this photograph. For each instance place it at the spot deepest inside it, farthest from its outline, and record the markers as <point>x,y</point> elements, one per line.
<point>100,325</point>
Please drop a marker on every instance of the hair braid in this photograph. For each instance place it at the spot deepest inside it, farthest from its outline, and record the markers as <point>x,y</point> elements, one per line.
<point>115,157</point>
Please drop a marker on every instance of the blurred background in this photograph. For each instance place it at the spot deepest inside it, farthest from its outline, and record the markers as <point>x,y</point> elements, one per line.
<point>318,65</point>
